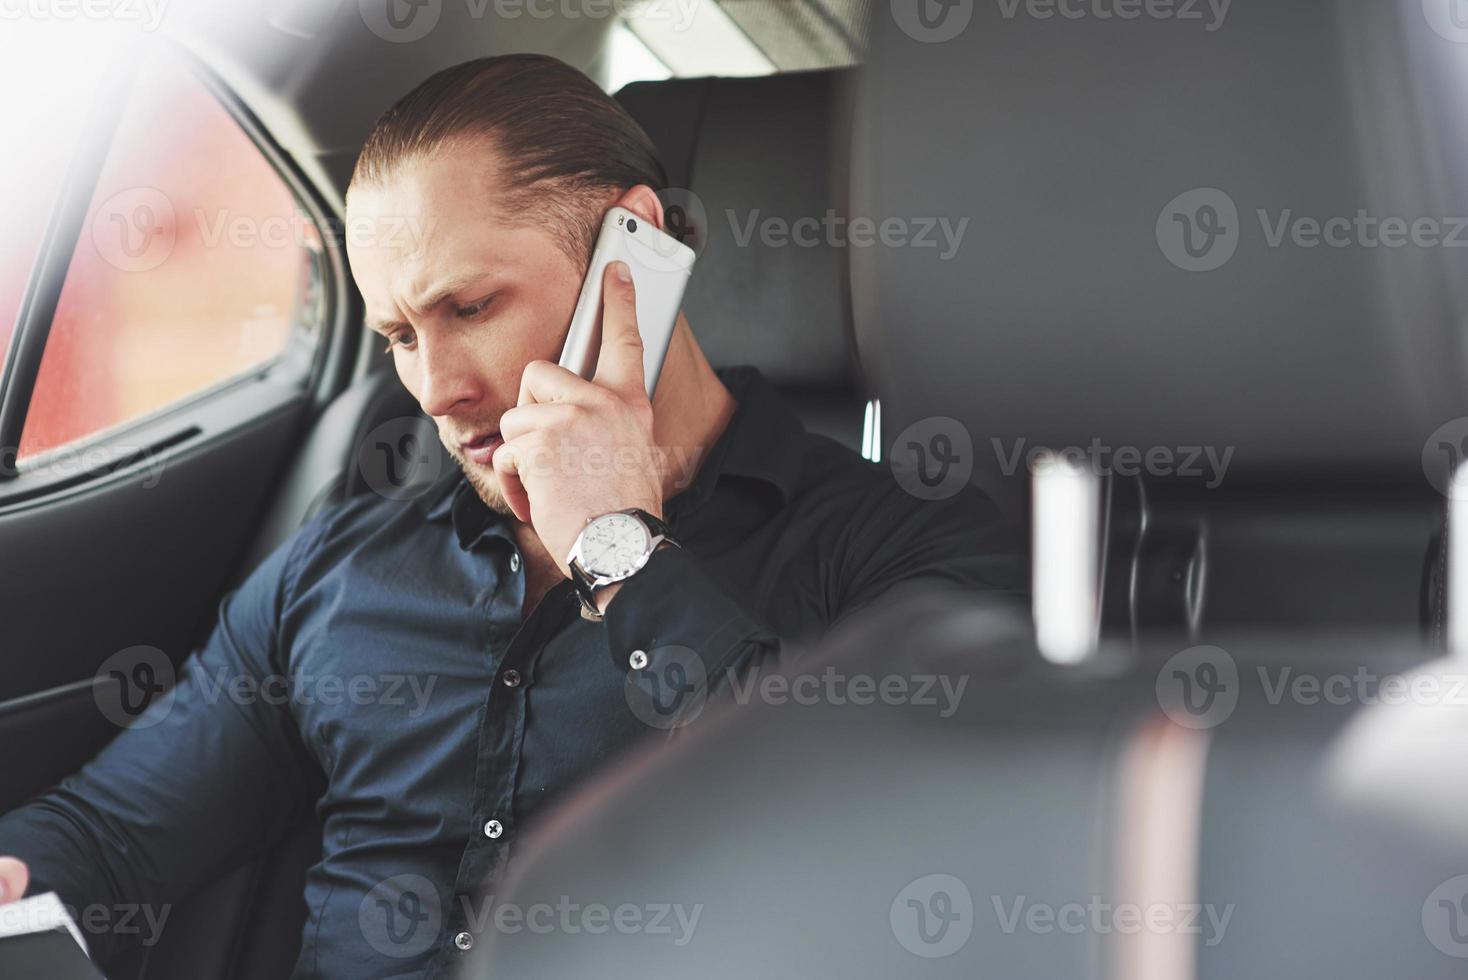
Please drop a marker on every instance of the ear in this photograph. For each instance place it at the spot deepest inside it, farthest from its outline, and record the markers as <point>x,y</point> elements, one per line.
<point>642,201</point>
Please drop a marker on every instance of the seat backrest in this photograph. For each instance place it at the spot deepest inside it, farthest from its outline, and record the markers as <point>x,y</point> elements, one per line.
<point>1186,238</point>
<point>765,161</point>
<point>337,461</point>
<point>1103,823</point>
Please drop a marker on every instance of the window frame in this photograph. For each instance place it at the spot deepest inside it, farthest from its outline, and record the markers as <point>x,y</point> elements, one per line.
<point>313,366</point>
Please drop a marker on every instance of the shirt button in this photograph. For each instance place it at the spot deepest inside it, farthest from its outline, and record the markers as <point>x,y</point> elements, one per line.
<point>515,562</point>
<point>638,660</point>
<point>493,829</point>
<point>512,678</point>
<point>463,940</point>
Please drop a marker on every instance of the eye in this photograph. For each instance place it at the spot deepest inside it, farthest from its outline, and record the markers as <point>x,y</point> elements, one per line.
<point>403,338</point>
<point>475,310</point>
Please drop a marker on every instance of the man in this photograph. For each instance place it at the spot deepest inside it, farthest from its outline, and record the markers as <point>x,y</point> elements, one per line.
<point>518,676</point>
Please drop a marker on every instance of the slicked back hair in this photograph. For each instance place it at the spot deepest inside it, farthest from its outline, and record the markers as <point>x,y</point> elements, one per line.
<point>560,142</point>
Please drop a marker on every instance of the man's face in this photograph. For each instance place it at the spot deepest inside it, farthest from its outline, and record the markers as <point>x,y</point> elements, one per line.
<point>464,298</point>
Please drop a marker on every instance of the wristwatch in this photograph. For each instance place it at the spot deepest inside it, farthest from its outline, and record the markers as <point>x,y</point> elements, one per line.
<point>613,548</point>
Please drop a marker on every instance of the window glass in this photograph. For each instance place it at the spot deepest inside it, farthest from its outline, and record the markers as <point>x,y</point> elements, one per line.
<point>53,78</point>
<point>193,265</point>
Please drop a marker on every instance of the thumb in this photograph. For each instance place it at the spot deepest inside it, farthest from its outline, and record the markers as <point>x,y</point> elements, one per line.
<point>14,877</point>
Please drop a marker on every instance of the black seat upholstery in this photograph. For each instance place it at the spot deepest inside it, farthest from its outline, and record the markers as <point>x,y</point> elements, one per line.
<point>1327,827</point>
<point>1070,145</point>
<point>761,145</point>
<point>1275,836</point>
<point>763,153</point>
<point>328,470</point>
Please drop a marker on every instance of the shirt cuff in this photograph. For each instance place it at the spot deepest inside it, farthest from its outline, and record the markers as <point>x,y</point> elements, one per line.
<point>673,603</point>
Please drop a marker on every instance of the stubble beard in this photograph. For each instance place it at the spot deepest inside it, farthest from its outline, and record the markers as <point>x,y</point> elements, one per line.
<point>481,480</point>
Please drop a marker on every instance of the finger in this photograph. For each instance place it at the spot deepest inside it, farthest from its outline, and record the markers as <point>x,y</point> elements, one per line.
<point>542,381</point>
<point>619,365</point>
<point>524,419</point>
<point>506,464</point>
<point>14,877</point>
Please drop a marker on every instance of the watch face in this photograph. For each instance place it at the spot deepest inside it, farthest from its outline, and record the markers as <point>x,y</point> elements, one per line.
<point>614,546</point>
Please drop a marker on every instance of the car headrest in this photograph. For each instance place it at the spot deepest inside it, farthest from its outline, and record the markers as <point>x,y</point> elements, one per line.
<point>1236,225</point>
<point>760,155</point>
<point>1294,828</point>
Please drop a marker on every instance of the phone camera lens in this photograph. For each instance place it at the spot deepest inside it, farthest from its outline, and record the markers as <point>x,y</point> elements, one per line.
<point>632,225</point>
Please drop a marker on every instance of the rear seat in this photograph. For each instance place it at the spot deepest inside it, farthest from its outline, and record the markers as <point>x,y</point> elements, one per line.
<point>759,154</point>
<point>758,147</point>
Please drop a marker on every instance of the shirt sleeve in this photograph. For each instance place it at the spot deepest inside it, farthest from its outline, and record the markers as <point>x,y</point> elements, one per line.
<point>895,545</point>
<point>677,615</point>
<point>201,781</point>
<point>890,545</point>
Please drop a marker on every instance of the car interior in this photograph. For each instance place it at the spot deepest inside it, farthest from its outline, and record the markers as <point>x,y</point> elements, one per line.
<point>1297,413</point>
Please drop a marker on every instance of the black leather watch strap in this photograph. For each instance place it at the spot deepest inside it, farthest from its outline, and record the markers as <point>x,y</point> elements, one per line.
<point>656,525</point>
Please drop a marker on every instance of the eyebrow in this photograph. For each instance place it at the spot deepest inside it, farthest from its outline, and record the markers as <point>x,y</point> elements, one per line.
<point>435,297</point>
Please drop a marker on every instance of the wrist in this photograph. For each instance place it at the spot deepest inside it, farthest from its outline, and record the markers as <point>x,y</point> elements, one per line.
<point>604,596</point>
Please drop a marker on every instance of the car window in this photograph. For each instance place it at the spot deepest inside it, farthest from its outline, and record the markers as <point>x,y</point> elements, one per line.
<point>53,81</point>
<point>194,264</point>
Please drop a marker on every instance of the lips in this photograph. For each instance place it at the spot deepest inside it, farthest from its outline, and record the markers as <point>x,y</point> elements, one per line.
<point>481,448</point>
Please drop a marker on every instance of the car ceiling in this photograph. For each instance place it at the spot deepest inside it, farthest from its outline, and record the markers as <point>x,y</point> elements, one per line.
<point>318,78</point>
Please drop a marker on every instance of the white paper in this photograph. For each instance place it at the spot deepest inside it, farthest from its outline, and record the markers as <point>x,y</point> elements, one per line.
<point>39,913</point>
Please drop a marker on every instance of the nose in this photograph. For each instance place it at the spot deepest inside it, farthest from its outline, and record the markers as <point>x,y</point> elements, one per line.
<point>447,379</point>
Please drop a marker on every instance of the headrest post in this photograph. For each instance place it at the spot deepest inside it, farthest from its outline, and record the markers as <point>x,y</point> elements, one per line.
<point>1066,571</point>
<point>1457,565</point>
<point>871,432</point>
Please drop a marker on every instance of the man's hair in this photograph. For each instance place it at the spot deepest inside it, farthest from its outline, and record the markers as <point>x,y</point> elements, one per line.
<point>561,142</point>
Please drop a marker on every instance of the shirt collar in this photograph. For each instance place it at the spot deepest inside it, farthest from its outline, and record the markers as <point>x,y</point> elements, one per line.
<point>761,443</point>
<point>453,498</point>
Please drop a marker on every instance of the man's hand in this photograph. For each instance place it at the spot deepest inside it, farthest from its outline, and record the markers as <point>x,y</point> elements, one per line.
<point>577,449</point>
<point>14,876</point>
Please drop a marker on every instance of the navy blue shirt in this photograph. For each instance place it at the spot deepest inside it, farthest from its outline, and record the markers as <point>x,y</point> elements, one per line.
<point>376,675</point>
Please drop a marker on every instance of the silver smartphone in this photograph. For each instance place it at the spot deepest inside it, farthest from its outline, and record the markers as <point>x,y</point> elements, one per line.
<point>661,266</point>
